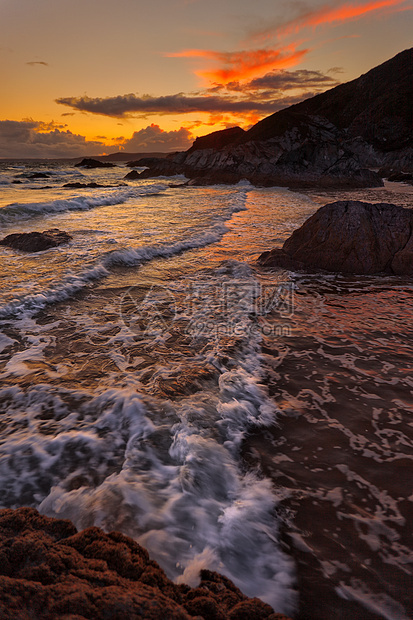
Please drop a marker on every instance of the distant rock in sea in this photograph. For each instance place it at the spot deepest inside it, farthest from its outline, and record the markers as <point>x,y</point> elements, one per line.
<point>132,175</point>
<point>36,241</point>
<point>91,185</point>
<point>38,175</point>
<point>49,570</point>
<point>330,140</point>
<point>94,163</point>
<point>349,237</point>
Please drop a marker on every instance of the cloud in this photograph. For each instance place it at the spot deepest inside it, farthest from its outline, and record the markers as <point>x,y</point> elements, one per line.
<point>153,138</point>
<point>35,139</point>
<point>37,62</point>
<point>243,65</point>
<point>329,14</point>
<point>124,105</point>
<point>276,82</point>
<point>235,102</point>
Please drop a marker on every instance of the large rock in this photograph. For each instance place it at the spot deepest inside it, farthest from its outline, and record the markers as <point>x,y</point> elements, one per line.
<point>36,241</point>
<point>350,237</point>
<point>50,571</point>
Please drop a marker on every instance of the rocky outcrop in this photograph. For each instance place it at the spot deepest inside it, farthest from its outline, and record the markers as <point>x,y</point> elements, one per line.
<point>350,237</point>
<point>143,161</point>
<point>217,139</point>
<point>36,241</point>
<point>312,152</point>
<point>396,176</point>
<point>87,162</point>
<point>50,571</point>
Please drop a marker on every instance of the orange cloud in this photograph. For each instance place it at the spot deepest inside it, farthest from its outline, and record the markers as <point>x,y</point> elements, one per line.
<point>349,11</point>
<point>244,65</point>
<point>331,14</point>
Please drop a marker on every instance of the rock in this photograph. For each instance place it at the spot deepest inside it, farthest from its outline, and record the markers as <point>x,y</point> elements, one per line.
<point>36,241</point>
<point>48,570</point>
<point>350,237</point>
<point>132,175</point>
<point>38,175</point>
<point>217,139</point>
<point>94,163</point>
<point>143,162</point>
<point>401,177</point>
<point>92,185</point>
<point>160,167</point>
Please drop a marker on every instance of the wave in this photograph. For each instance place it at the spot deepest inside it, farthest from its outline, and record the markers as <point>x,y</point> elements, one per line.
<point>18,211</point>
<point>166,472</point>
<point>128,257</point>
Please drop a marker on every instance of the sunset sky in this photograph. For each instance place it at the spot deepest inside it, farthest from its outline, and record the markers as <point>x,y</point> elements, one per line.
<point>97,76</point>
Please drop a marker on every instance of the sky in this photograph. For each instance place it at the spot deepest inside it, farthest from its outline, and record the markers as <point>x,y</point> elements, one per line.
<point>91,77</point>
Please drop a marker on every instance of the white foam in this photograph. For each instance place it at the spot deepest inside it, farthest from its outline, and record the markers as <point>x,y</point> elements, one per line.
<point>170,476</point>
<point>378,603</point>
<point>19,211</point>
<point>180,492</point>
<point>5,342</point>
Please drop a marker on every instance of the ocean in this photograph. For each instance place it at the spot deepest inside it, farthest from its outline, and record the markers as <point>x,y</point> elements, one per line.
<point>156,381</point>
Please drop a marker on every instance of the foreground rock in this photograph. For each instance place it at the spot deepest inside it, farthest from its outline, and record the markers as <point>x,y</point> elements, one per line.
<point>36,241</point>
<point>48,570</point>
<point>350,237</point>
<point>87,162</point>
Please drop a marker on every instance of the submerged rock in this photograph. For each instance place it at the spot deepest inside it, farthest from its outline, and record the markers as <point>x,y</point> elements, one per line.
<point>350,237</point>
<point>49,570</point>
<point>36,241</point>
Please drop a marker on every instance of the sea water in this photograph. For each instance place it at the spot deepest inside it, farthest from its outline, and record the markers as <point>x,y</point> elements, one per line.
<point>156,381</point>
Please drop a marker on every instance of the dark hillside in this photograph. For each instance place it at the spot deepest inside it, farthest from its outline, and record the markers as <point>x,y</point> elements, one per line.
<point>378,106</point>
